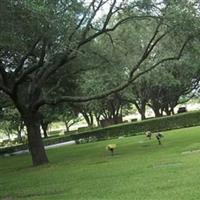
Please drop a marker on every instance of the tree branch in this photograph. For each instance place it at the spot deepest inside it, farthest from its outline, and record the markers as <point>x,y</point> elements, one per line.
<point>109,14</point>
<point>4,84</point>
<point>91,5</point>
<point>117,24</point>
<point>24,58</point>
<point>69,55</point>
<point>3,75</point>
<point>107,93</point>
<point>6,90</point>
<point>35,67</point>
<point>163,60</point>
<point>89,22</point>
<point>149,48</point>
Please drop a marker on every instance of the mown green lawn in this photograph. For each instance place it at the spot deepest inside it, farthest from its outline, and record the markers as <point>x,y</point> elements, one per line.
<point>140,170</point>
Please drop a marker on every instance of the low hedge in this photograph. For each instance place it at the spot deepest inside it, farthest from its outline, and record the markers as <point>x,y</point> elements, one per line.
<point>129,129</point>
<point>56,140</point>
<point>12,149</point>
<point>53,133</point>
<point>46,141</point>
<point>156,124</point>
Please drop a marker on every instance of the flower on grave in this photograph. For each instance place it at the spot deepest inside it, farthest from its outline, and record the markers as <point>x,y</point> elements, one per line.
<point>111,148</point>
<point>148,134</point>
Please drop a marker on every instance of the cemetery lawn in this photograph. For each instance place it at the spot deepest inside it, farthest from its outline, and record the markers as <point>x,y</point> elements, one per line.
<point>139,170</point>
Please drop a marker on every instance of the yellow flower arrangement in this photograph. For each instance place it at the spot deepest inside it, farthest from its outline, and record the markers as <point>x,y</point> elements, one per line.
<point>111,148</point>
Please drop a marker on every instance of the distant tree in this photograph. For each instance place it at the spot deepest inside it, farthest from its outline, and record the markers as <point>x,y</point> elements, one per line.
<point>11,123</point>
<point>46,116</point>
<point>111,108</point>
<point>169,85</point>
<point>67,114</point>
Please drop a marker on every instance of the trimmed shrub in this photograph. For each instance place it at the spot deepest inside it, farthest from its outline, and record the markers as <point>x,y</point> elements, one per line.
<point>56,140</point>
<point>9,150</point>
<point>70,132</point>
<point>84,129</point>
<point>53,133</point>
<point>156,124</point>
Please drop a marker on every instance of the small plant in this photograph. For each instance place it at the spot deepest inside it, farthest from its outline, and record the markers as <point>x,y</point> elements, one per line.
<point>111,148</point>
<point>92,139</point>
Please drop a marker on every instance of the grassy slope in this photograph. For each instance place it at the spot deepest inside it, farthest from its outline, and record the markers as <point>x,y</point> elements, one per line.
<point>140,170</point>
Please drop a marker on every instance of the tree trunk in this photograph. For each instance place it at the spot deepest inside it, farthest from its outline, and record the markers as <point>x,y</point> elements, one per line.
<point>143,117</point>
<point>9,135</point>
<point>66,126</point>
<point>45,132</point>
<point>36,146</point>
<point>88,118</point>
<point>167,110</point>
<point>98,120</point>
<point>44,126</point>
<point>157,112</point>
<point>141,109</point>
<point>19,132</point>
<point>19,137</point>
<point>172,111</point>
<point>91,120</point>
